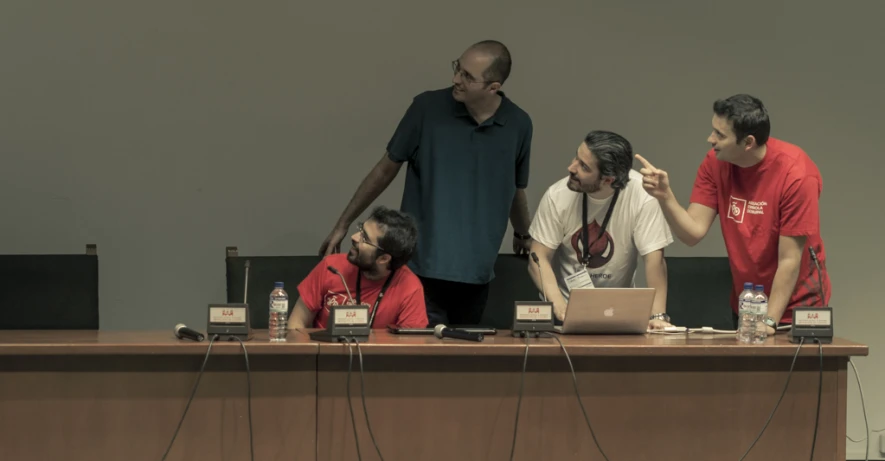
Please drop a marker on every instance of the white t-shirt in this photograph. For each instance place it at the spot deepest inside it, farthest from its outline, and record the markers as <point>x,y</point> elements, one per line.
<point>637,228</point>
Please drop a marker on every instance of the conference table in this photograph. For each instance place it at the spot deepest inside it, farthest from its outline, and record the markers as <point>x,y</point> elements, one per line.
<point>119,395</point>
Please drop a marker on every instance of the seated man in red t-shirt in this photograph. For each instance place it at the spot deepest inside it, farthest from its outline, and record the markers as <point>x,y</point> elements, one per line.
<point>376,274</point>
<point>768,191</point>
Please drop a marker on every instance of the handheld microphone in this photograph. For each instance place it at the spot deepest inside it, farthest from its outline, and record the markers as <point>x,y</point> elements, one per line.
<point>335,271</point>
<point>182,332</point>
<point>441,331</point>
<point>540,275</point>
<point>820,278</point>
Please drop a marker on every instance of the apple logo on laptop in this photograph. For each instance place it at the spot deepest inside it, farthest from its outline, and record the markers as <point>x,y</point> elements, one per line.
<point>610,312</point>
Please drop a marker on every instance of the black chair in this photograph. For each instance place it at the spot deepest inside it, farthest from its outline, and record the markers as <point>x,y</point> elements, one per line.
<point>512,283</point>
<point>49,292</point>
<point>263,272</point>
<point>699,292</point>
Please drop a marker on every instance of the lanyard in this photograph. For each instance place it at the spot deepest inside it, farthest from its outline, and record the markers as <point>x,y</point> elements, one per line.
<point>359,278</point>
<point>584,236</point>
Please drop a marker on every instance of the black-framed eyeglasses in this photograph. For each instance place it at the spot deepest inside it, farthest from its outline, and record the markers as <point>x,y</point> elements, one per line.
<point>456,68</point>
<point>364,237</point>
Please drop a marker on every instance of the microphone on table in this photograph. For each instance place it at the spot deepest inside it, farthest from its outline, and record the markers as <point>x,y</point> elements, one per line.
<point>441,331</point>
<point>820,279</point>
<point>540,274</point>
<point>335,271</point>
<point>182,332</point>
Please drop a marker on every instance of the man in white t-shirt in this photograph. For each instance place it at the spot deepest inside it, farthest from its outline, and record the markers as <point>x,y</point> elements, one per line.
<point>622,222</point>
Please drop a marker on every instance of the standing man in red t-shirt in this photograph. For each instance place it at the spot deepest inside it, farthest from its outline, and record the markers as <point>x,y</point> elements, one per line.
<point>766,192</point>
<point>376,274</point>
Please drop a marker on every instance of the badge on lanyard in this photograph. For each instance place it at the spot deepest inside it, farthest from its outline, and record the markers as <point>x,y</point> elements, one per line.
<point>580,279</point>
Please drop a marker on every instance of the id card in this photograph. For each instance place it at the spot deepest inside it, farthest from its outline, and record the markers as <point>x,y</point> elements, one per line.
<point>580,279</point>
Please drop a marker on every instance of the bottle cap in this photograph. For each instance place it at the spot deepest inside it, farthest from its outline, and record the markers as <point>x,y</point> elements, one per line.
<point>760,288</point>
<point>748,285</point>
<point>278,284</point>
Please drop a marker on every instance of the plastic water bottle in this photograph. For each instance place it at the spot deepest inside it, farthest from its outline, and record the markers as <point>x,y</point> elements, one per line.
<point>278,324</point>
<point>746,328</point>
<point>760,304</point>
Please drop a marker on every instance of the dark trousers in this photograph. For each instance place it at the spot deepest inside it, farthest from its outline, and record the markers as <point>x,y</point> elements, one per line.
<point>454,303</point>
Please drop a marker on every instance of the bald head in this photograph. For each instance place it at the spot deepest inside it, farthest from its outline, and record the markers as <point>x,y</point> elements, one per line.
<point>499,55</point>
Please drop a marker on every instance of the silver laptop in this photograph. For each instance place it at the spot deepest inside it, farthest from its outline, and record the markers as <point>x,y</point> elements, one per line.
<point>607,311</point>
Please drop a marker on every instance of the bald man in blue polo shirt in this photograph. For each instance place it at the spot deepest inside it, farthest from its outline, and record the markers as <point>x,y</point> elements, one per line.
<point>467,148</point>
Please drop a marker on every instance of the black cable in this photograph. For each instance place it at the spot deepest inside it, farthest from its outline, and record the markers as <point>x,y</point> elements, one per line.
<point>820,385</point>
<point>191,399</point>
<point>248,396</point>
<point>525,360</point>
<point>578,395</point>
<point>356,438</point>
<point>789,375</point>
<point>363,393</point>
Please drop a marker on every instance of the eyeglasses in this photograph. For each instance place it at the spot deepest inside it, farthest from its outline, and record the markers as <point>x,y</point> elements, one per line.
<point>456,68</point>
<point>364,237</point>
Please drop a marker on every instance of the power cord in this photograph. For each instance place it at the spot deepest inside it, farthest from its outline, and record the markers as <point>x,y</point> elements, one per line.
<point>191,399</point>
<point>363,393</point>
<point>356,438</point>
<point>820,386</point>
<point>863,407</point>
<point>248,397</point>
<point>578,394</point>
<point>525,360</point>
<point>786,385</point>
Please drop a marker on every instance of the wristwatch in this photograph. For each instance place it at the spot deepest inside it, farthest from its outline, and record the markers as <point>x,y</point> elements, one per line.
<point>521,236</point>
<point>770,322</point>
<point>662,316</point>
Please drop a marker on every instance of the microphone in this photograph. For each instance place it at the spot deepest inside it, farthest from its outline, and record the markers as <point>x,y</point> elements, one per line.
<point>441,331</point>
<point>820,278</point>
<point>182,331</point>
<point>540,275</point>
<point>335,271</point>
<point>246,283</point>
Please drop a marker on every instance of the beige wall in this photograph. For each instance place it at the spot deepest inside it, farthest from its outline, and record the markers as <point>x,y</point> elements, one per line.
<point>166,130</point>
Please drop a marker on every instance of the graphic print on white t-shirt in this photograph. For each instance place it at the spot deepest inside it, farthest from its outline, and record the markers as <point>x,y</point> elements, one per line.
<point>601,249</point>
<point>637,227</point>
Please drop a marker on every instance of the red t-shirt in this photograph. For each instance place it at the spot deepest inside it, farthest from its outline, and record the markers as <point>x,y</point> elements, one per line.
<point>403,302</point>
<point>778,196</point>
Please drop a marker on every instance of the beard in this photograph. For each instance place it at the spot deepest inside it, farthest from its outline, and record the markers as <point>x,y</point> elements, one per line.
<point>354,257</point>
<point>576,186</point>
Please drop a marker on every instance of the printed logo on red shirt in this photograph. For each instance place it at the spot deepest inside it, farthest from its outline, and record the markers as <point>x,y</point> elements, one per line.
<point>335,299</point>
<point>737,209</point>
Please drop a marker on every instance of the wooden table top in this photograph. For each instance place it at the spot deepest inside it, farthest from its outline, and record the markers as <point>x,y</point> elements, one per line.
<point>85,342</point>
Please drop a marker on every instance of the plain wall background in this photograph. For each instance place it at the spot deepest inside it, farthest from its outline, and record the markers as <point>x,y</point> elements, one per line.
<point>164,131</point>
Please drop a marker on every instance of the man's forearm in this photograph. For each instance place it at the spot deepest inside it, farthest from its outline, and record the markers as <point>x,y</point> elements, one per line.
<point>374,183</point>
<point>519,212</point>
<point>656,277</point>
<point>782,288</point>
<point>550,286</point>
<point>687,230</point>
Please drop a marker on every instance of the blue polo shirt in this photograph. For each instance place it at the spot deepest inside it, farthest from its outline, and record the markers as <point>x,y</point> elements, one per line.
<point>460,182</point>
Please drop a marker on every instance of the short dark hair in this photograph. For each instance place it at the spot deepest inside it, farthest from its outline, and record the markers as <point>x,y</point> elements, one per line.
<point>400,234</point>
<point>748,116</point>
<point>499,69</point>
<point>614,155</point>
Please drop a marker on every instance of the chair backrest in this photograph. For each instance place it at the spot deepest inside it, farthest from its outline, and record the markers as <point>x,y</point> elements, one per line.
<point>512,283</point>
<point>699,292</point>
<point>263,272</point>
<point>49,292</point>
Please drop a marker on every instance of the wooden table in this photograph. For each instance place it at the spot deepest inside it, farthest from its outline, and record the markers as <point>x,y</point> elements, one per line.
<point>119,396</point>
<point>647,397</point>
<point>108,396</point>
